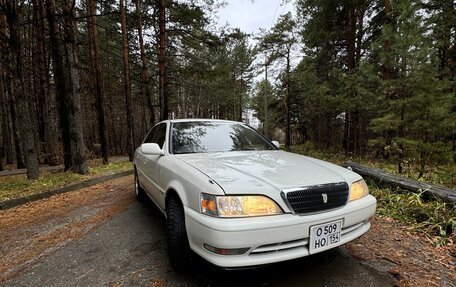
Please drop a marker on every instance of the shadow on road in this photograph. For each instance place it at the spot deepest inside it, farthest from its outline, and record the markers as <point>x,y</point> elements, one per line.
<point>335,267</point>
<point>130,249</point>
<point>332,268</point>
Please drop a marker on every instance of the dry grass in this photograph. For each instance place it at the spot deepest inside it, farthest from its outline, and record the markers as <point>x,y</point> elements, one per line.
<point>15,186</point>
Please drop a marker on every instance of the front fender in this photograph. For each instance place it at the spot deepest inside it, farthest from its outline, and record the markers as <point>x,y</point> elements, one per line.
<point>187,182</point>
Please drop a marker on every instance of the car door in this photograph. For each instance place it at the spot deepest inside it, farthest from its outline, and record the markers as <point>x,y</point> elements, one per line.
<point>152,164</point>
<point>141,160</point>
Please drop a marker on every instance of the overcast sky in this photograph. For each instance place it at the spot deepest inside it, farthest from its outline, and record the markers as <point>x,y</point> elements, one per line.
<point>251,16</point>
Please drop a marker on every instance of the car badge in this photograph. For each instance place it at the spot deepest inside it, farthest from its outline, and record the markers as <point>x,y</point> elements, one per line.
<point>325,197</point>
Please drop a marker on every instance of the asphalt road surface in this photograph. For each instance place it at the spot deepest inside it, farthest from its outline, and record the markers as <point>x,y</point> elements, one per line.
<point>102,237</point>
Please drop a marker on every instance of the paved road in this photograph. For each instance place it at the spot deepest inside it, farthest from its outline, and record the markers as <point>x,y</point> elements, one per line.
<point>127,247</point>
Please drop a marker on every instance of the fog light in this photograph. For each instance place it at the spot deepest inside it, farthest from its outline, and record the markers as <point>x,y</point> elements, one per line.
<point>225,251</point>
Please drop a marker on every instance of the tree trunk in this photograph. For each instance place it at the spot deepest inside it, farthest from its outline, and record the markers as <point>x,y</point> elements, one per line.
<point>60,80</point>
<point>74,98</point>
<point>240,100</point>
<point>401,183</point>
<point>347,132</point>
<point>401,133</point>
<point>20,163</point>
<point>452,60</point>
<point>99,87</point>
<point>422,170</point>
<point>265,124</point>
<point>8,117</point>
<point>5,131</point>
<point>162,71</point>
<point>7,134</point>
<point>23,116</point>
<point>350,38</point>
<point>233,85</point>
<point>108,74</point>
<point>361,10</point>
<point>288,105</point>
<point>385,68</point>
<point>145,71</point>
<point>126,80</point>
<point>1,158</point>
<point>67,87</point>
<point>43,88</point>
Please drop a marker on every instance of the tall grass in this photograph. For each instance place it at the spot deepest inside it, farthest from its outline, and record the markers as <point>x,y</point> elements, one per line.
<point>435,218</point>
<point>437,173</point>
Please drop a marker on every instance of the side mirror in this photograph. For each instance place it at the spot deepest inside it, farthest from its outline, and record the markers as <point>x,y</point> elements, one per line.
<point>276,143</point>
<point>151,149</point>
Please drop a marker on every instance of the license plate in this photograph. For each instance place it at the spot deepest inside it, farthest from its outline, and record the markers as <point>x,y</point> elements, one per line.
<point>323,236</point>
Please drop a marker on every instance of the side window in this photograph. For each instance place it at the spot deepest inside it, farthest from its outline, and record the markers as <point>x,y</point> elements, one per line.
<point>157,135</point>
<point>150,135</point>
<point>160,135</point>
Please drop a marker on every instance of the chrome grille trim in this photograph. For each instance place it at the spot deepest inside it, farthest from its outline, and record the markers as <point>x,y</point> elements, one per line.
<point>309,199</point>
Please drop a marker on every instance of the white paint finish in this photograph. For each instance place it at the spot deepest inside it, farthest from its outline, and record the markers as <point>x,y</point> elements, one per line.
<point>278,169</point>
<point>255,232</point>
<point>151,149</point>
<point>247,172</point>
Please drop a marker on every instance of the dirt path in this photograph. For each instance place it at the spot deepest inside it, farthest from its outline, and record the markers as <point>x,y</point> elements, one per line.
<point>33,230</point>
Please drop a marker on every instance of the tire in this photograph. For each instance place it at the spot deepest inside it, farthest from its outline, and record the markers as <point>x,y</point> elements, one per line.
<point>179,252</point>
<point>139,191</point>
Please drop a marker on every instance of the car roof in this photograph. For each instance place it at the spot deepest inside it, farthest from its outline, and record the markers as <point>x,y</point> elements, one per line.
<point>200,120</point>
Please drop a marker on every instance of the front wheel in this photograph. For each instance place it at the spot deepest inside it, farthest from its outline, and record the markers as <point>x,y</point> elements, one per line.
<point>139,191</point>
<point>179,251</point>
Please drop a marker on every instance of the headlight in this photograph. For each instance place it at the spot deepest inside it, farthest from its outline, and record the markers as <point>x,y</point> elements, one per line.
<point>238,206</point>
<point>358,190</point>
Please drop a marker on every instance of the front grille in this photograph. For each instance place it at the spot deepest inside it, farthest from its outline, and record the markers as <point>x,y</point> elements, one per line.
<point>311,198</point>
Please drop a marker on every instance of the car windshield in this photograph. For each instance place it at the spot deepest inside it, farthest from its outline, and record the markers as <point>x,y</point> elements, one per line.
<point>203,137</point>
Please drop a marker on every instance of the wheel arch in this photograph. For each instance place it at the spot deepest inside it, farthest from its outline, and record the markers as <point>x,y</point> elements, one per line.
<point>173,192</point>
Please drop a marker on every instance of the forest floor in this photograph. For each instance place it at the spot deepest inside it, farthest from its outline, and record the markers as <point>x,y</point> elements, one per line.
<point>11,169</point>
<point>102,236</point>
<point>411,251</point>
<point>407,254</point>
<point>14,183</point>
<point>410,233</point>
<point>436,173</point>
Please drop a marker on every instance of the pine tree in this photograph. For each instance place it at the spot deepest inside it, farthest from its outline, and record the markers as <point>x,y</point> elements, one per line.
<point>278,43</point>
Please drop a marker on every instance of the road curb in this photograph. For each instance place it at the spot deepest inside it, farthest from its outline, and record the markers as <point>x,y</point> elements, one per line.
<point>71,187</point>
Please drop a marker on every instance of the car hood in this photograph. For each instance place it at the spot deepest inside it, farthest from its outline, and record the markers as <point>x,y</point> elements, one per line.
<point>266,172</point>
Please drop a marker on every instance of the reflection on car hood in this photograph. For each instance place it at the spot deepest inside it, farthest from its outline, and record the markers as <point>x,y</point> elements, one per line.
<point>260,172</point>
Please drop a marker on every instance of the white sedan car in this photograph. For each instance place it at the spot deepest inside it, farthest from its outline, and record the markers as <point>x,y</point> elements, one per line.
<point>230,195</point>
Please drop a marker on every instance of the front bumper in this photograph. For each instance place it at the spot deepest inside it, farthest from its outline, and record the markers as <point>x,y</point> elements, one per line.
<point>271,238</point>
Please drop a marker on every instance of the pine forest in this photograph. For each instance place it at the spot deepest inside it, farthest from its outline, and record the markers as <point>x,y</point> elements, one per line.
<point>88,79</point>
